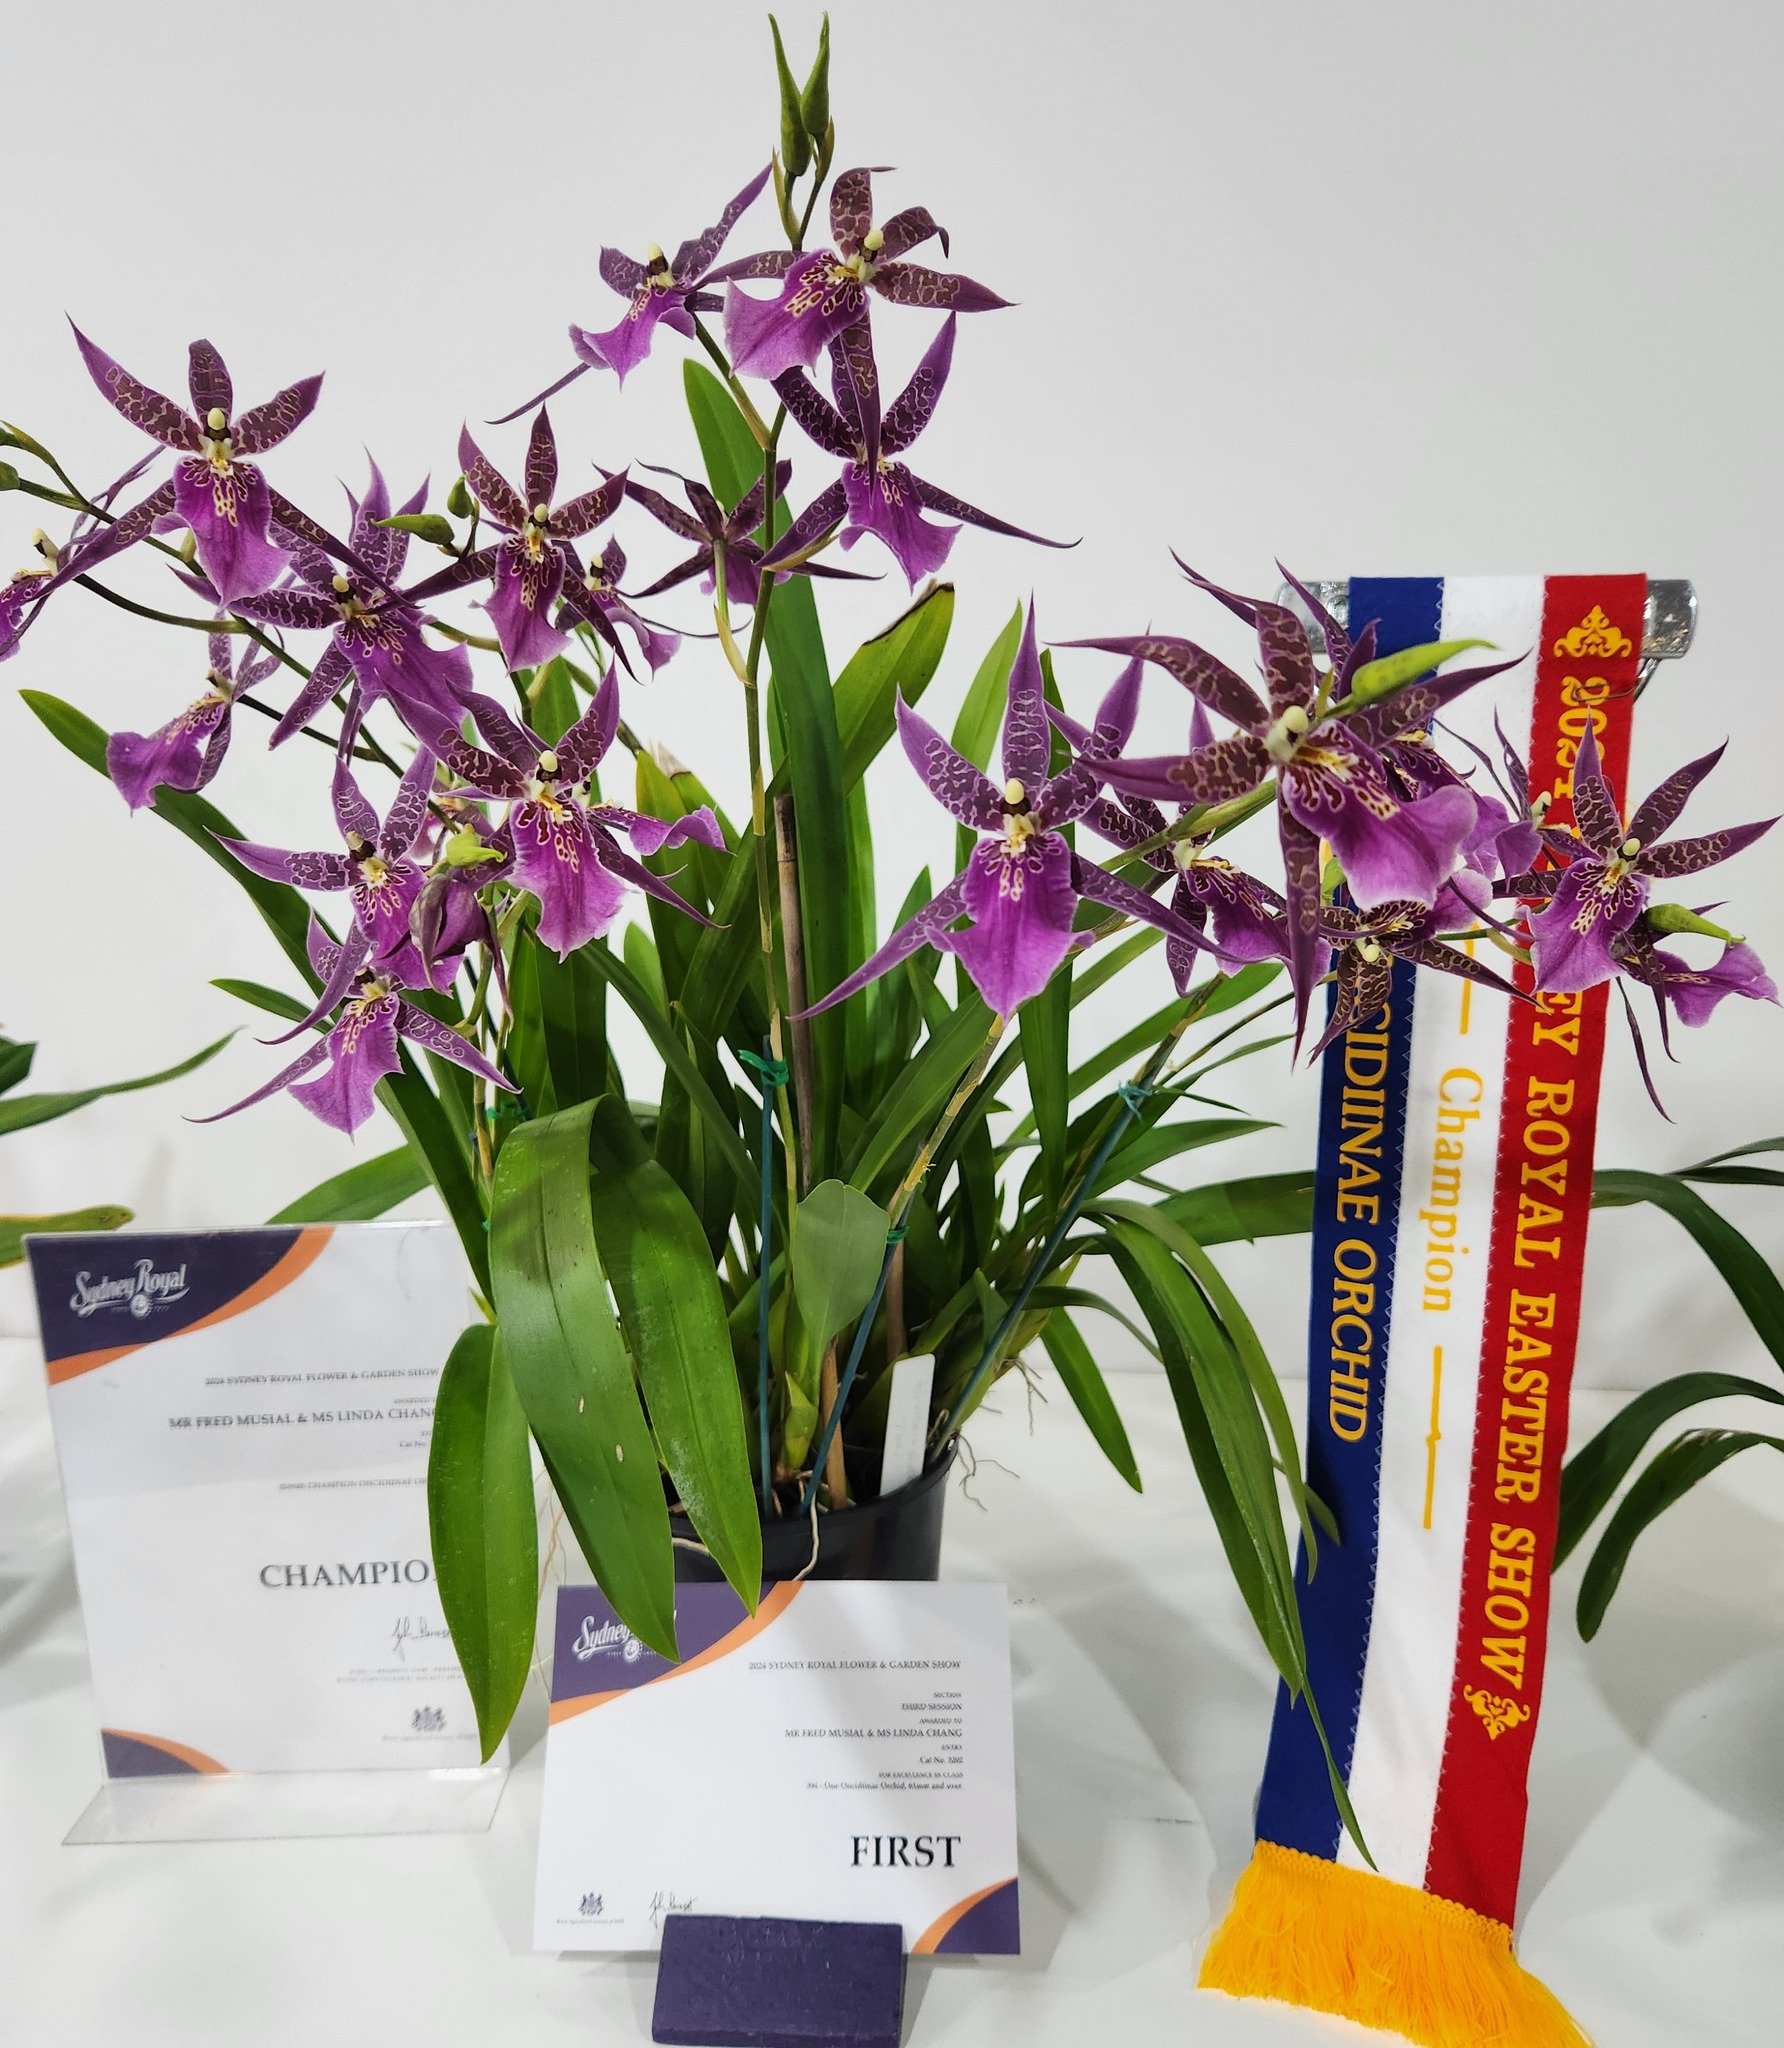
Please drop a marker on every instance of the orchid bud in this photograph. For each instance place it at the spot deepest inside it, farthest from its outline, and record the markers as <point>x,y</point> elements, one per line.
<point>9,477</point>
<point>428,526</point>
<point>795,144</point>
<point>465,850</point>
<point>458,500</point>
<point>1674,917</point>
<point>814,101</point>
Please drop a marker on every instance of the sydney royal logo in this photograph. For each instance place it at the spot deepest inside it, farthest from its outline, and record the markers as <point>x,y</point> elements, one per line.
<point>139,1293</point>
<point>605,1639</point>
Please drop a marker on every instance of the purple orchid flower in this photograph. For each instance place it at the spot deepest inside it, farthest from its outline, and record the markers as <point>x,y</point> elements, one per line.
<point>376,634</point>
<point>1368,942</point>
<point>598,601</point>
<point>658,292</point>
<point>187,751</point>
<point>1022,884</point>
<point>718,532</point>
<point>17,600</point>
<point>1331,780</point>
<point>1249,918</point>
<point>364,1045</point>
<point>214,490</point>
<point>1603,889</point>
<point>824,291</point>
<point>876,495</point>
<point>376,871</point>
<point>534,563</point>
<point>564,849</point>
<point>1692,993</point>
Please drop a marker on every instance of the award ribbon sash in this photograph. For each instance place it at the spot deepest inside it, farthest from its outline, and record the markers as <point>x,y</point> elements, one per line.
<point>1452,1194</point>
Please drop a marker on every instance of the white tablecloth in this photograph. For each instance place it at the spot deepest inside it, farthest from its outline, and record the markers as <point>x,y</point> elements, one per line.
<point>1654,1881</point>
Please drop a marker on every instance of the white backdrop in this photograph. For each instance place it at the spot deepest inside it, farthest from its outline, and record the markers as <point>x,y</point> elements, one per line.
<point>1385,288</point>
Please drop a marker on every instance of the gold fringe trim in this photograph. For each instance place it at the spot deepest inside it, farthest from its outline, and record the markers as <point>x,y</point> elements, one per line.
<point>1344,1941</point>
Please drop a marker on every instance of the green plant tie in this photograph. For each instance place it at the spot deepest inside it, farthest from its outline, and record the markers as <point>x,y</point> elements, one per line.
<point>1133,1096</point>
<point>863,1329</point>
<point>774,1075</point>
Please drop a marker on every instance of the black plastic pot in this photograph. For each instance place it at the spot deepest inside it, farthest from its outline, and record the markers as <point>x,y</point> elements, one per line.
<point>898,1536</point>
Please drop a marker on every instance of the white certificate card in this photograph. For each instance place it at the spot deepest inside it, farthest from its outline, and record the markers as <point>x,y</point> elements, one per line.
<point>242,1419</point>
<point>843,1754</point>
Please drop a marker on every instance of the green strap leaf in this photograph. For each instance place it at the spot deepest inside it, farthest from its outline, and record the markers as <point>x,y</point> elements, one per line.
<point>15,1062</point>
<point>667,1039</point>
<point>20,1112</point>
<point>917,1097</point>
<point>660,1265</point>
<point>899,661</point>
<point>838,1247</point>
<point>572,1371</point>
<point>1598,1468</point>
<point>484,1527</point>
<point>1750,1280</point>
<point>15,1229</point>
<point>1235,1211</point>
<point>1090,1394</point>
<point>371,1188</point>
<point>1044,1025</point>
<point>1671,1474</point>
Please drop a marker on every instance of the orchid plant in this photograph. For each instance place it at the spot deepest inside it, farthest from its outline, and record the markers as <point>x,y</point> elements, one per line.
<point>695,1296</point>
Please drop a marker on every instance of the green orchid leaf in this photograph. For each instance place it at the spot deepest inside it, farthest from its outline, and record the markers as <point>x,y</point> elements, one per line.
<point>1598,1468</point>
<point>659,1264</point>
<point>15,1062</point>
<point>1242,1211</point>
<point>484,1527</point>
<point>1044,1027</point>
<point>15,1229</point>
<point>371,1188</point>
<point>1750,1280</point>
<point>20,1112</point>
<point>572,1371</point>
<point>1079,1376</point>
<point>839,1245</point>
<point>1669,1476</point>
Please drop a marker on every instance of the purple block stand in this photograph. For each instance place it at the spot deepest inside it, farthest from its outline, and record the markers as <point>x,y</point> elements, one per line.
<point>732,1983</point>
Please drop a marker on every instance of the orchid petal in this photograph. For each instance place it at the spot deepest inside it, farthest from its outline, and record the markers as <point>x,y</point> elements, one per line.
<point>1677,857</point>
<point>328,678</point>
<point>962,789</point>
<point>265,426</point>
<point>407,816</point>
<point>914,284</point>
<point>1021,901</point>
<point>488,486</point>
<point>208,381</point>
<point>1205,678</point>
<point>817,417</point>
<point>928,927</point>
<point>541,463</point>
<point>160,417</point>
<point>1594,807</point>
<point>436,1037</point>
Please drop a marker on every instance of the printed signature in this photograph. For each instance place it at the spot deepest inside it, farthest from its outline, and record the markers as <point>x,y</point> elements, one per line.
<point>414,1628</point>
<point>668,1902</point>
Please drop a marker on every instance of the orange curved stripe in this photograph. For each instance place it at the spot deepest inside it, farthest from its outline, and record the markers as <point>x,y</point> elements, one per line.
<point>303,1254</point>
<point>774,1603</point>
<point>938,1931</point>
<point>194,1759</point>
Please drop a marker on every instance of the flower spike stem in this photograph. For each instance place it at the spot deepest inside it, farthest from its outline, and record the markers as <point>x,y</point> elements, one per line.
<point>901,1208</point>
<point>774,1078</point>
